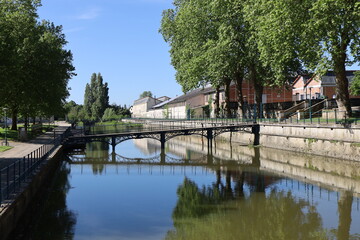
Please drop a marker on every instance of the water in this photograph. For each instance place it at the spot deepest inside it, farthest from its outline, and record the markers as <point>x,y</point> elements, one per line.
<point>239,192</point>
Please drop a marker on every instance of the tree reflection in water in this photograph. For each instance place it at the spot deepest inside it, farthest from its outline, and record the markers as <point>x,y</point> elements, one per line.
<point>100,152</point>
<point>57,221</point>
<point>202,213</point>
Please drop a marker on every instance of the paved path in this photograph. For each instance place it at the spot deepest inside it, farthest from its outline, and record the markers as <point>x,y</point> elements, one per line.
<point>21,149</point>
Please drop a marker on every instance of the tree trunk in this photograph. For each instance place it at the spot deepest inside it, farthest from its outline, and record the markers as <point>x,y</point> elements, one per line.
<point>26,124</point>
<point>239,80</point>
<point>342,86</point>
<point>258,89</point>
<point>258,98</point>
<point>217,102</point>
<point>14,119</point>
<point>227,82</point>
<point>344,210</point>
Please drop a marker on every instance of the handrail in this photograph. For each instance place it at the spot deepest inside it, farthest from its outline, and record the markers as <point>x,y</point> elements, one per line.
<point>294,108</point>
<point>314,106</point>
<point>12,176</point>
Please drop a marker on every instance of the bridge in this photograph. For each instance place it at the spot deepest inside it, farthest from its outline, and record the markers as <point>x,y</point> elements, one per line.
<point>164,133</point>
<point>161,159</point>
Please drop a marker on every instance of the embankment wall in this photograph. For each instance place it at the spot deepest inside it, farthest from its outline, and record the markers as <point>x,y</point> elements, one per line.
<point>15,209</point>
<point>333,141</point>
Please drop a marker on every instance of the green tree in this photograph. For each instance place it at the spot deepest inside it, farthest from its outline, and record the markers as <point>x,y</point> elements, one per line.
<point>34,66</point>
<point>201,213</point>
<point>321,34</point>
<point>96,98</point>
<point>109,114</point>
<point>146,94</point>
<point>355,85</point>
<point>212,43</point>
<point>74,112</point>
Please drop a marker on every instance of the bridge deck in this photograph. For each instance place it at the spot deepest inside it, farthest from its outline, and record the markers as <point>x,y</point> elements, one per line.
<point>164,130</point>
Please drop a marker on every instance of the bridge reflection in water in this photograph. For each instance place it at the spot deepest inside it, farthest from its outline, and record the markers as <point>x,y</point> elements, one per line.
<point>237,168</point>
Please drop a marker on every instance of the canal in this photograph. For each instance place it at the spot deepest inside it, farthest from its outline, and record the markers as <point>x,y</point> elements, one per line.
<point>238,192</point>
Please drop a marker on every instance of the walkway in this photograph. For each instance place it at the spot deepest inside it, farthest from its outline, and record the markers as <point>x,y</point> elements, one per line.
<point>21,149</point>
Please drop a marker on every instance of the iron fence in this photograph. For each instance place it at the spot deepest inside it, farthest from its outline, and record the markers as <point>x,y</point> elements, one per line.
<point>309,116</point>
<point>14,175</point>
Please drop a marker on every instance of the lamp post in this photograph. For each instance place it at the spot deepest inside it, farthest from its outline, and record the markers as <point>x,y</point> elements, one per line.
<point>6,142</point>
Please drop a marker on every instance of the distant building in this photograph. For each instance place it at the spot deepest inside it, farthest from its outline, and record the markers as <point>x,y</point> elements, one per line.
<point>143,105</point>
<point>315,87</point>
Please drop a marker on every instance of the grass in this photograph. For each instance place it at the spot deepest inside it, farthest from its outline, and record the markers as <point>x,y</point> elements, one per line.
<point>5,148</point>
<point>13,135</point>
<point>10,134</point>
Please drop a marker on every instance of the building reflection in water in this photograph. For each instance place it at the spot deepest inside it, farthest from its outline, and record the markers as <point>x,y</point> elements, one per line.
<point>262,211</point>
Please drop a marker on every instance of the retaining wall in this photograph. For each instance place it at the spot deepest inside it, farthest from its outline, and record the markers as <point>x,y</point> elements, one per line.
<point>13,212</point>
<point>333,141</point>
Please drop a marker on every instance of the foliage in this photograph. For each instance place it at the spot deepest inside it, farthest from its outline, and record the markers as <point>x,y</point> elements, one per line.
<point>115,112</point>
<point>211,42</point>
<point>200,214</point>
<point>34,66</point>
<point>355,85</point>
<point>146,94</point>
<point>109,115</point>
<point>122,111</point>
<point>96,98</point>
<point>166,111</point>
<point>74,112</point>
<point>320,34</point>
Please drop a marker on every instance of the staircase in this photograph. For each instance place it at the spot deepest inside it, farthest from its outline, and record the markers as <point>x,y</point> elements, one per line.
<point>303,110</point>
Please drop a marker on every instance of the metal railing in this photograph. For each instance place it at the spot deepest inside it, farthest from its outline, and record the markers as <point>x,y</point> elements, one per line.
<point>311,115</point>
<point>319,117</point>
<point>159,124</point>
<point>14,175</point>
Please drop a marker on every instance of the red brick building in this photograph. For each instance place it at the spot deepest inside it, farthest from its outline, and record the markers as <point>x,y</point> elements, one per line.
<point>314,87</point>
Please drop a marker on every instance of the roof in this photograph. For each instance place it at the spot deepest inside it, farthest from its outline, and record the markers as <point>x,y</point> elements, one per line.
<point>191,94</point>
<point>305,79</point>
<point>142,100</point>
<point>164,103</point>
<point>327,78</point>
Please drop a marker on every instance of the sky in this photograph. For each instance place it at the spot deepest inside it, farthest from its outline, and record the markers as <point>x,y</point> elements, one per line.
<point>121,40</point>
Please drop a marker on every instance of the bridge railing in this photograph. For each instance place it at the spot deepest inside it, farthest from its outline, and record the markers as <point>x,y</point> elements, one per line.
<point>163,124</point>
<point>318,117</point>
<point>310,115</point>
<point>14,175</point>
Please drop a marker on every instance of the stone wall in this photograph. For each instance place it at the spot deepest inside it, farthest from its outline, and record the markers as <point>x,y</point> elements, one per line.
<point>333,141</point>
<point>15,210</point>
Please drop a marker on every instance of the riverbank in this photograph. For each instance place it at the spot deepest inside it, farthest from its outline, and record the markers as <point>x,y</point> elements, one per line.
<point>24,187</point>
<point>333,140</point>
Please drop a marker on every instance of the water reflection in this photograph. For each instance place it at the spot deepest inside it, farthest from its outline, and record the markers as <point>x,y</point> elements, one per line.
<point>100,152</point>
<point>57,220</point>
<point>207,213</point>
<point>238,192</point>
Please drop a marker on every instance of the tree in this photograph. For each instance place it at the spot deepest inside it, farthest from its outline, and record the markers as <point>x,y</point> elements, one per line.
<point>355,85</point>
<point>201,213</point>
<point>320,34</point>
<point>74,112</point>
<point>146,94</point>
<point>96,98</point>
<point>211,43</point>
<point>34,66</point>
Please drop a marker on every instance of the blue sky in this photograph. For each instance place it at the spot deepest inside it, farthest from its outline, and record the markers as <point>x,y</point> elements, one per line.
<point>119,39</point>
